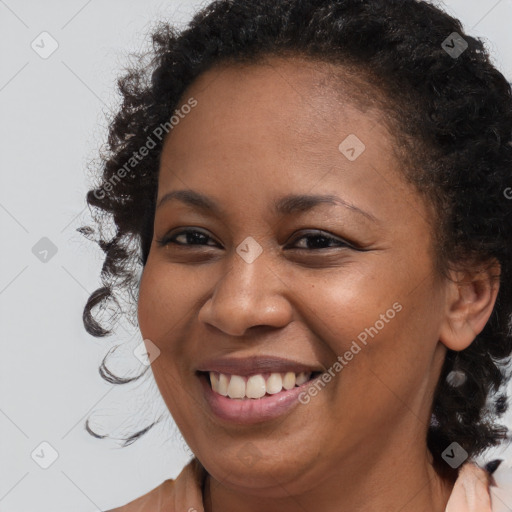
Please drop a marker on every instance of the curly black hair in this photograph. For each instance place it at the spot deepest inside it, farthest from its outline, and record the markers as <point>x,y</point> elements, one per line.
<point>451,111</point>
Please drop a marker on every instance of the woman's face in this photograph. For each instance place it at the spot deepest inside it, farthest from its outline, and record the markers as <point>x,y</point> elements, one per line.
<point>310,253</point>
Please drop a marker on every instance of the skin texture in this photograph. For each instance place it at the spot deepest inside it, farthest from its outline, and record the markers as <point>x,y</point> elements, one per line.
<point>258,133</point>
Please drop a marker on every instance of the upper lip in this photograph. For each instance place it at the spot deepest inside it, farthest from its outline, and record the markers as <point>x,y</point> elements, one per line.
<point>255,364</point>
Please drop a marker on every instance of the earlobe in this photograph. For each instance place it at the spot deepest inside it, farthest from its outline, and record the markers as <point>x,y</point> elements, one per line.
<point>470,299</point>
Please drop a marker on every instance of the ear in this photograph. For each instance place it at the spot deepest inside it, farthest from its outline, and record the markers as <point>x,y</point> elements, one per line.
<point>470,298</point>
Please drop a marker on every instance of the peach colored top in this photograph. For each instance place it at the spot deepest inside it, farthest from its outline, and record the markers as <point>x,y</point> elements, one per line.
<point>471,492</point>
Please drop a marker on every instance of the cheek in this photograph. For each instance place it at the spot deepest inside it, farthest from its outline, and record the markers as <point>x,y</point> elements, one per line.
<point>163,303</point>
<point>377,300</point>
<point>166,297</point>
<point>347,306</point>
<point>384,333</point>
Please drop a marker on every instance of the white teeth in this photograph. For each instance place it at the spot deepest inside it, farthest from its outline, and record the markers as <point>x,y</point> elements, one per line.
<point>274,383</point>
<point>255,386</point>
<point>289,380</point>
<point>301,378</point>
<point>236,388</point>
<point>223,384</point>
<point>214,380</point>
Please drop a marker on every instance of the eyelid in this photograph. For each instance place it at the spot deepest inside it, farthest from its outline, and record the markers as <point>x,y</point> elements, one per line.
<point>320,233</point>
<point>166,239</point>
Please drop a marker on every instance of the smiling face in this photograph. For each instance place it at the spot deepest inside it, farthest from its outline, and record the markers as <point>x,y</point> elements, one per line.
<point>306,253</point>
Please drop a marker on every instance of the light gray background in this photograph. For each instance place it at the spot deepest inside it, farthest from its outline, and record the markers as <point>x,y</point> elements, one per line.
<point>52,125</point>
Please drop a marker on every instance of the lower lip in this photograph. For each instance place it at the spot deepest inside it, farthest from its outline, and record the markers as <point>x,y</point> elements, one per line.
<point>249,411</point>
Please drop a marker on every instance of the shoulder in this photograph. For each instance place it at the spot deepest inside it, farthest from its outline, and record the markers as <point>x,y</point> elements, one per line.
<point>183,493</point>
<point>475,490</point>
<point>159,498</point>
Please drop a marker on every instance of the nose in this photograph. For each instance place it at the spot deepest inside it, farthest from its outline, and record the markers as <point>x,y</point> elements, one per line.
<point>247,295</point>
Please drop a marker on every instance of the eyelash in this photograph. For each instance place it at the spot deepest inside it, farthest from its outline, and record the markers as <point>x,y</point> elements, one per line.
<point>166,240</point>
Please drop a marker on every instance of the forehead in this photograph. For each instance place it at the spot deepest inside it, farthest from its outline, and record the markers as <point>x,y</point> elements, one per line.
<point>262,131</point>
<point>293,87</point>
<point>280,105</point>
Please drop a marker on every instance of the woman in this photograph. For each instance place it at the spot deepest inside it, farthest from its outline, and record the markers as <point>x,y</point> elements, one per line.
<point>316,193</point>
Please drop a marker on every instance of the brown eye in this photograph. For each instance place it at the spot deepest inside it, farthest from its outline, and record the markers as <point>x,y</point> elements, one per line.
<point>187,237</point>
<point>318,240</point>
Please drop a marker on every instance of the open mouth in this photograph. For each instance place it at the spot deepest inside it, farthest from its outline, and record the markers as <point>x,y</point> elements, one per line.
<point>257,386</point>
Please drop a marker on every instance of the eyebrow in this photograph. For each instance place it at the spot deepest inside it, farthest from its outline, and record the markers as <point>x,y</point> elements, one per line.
<point>287,205</point>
